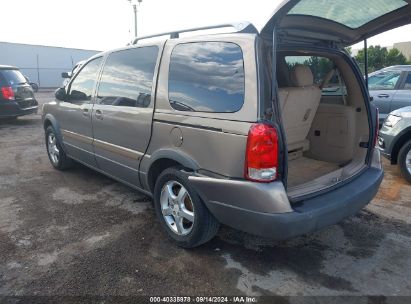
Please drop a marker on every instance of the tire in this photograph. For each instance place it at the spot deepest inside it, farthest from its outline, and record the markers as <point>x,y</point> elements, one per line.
<point>175,207</point>
<point>404,159</point>
<point>55,152</point>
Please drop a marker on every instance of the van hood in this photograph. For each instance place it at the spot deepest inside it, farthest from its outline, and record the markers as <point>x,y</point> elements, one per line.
<point>342,22</point>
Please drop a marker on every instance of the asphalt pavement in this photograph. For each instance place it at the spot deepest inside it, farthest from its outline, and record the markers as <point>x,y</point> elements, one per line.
<point>80,233</point>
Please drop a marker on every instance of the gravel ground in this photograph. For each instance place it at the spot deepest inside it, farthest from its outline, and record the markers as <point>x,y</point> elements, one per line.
<point>80,233</point>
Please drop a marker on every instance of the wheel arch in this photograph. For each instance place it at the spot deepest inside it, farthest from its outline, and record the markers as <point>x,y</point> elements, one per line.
<point>167,158</point>
<point>50,120</point>
<point>404,136</point>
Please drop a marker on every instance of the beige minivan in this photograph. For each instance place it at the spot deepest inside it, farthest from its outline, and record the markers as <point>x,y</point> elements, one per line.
<point>269,132</point>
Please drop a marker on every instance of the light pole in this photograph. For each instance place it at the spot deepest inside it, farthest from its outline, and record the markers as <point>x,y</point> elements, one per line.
<point>135,3</point>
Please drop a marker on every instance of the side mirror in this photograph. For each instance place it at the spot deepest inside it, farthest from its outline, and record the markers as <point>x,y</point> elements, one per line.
<point>65,75</point>
<point>60,94</point>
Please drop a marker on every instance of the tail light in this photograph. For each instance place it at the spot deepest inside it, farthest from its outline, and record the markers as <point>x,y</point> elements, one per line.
<point>7,93</point>
<point>261,158</point>
<point>377,127</point>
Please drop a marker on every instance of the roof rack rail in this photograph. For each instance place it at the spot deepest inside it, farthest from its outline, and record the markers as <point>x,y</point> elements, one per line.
<point>240,27</point>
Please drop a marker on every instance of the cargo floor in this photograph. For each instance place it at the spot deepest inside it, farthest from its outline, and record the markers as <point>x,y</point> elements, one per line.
<point>303,170</point>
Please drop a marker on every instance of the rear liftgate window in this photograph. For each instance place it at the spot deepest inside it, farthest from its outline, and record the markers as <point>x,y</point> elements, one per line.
<point>351,13</point>
<point>13,77</point>
<point>207,77</point>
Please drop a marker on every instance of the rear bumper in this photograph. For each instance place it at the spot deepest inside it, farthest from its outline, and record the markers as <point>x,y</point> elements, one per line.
<point>12,109</point>
<point>308,216</point>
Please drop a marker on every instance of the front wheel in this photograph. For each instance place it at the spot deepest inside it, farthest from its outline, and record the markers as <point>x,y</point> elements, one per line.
<point>404,160</point>
<point>181,212</point>
<point>57,156</point>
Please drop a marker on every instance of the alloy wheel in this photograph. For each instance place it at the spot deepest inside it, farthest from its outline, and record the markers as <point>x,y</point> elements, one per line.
<point>408,161</point>
<point>177,208</point>
<point>53,150</point>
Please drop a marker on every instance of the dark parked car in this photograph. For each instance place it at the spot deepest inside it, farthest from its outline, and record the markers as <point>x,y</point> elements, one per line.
<point>16,94</point>
<point>391,89</point>
<point>395,140</point>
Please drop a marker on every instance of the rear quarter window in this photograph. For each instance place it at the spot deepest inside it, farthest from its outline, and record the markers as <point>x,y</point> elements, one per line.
<point>407,85</point>
<point>207,77</point>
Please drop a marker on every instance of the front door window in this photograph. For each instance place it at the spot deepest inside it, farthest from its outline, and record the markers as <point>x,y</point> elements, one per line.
<point>82,87</point>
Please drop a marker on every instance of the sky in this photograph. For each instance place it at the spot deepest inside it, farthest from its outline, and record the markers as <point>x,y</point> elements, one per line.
<point>106,24</point>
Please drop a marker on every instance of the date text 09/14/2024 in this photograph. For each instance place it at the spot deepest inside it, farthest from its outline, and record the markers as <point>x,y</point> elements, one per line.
<point>199,299</point>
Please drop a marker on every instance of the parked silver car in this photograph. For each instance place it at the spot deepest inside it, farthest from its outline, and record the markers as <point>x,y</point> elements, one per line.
<point>395,140</point>
<point>390,89</point>
<point>226,128</point>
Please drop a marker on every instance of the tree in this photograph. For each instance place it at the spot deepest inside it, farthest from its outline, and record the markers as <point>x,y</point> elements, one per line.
<point>376,58</point>
<point>379,57</point>
<point>395,57</point>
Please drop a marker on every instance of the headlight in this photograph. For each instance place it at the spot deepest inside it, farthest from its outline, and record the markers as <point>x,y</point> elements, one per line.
<point>392,120</point>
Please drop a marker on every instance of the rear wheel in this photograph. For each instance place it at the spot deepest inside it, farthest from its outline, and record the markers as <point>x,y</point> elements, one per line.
<point>181,212</point>
<point>404,160</point>
<point>57,156</point>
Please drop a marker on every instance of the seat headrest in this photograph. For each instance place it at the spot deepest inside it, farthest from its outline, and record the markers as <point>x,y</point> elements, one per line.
<point>301,76</point>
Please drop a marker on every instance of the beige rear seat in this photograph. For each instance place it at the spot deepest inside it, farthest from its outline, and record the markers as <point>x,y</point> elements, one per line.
<point>299,105</point>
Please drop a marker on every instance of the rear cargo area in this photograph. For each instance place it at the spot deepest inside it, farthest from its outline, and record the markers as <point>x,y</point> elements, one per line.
<point>324,118</point>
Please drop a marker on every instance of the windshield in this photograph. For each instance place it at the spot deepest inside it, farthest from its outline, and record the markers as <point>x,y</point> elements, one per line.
<point>386,80</point>
<point>351,13</point>
<point>76,68</point>
<point>13,77</point>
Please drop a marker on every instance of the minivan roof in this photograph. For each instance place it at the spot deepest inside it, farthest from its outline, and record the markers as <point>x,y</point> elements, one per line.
<point>243,27</point>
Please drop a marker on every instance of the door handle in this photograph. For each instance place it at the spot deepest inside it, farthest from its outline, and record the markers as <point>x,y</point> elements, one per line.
<point>99,114</point>
<point>85,112</point>
<point>383,96</point>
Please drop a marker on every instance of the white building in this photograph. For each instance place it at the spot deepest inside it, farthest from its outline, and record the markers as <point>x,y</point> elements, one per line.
<point>42,64</point>
<point>405,48</point>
